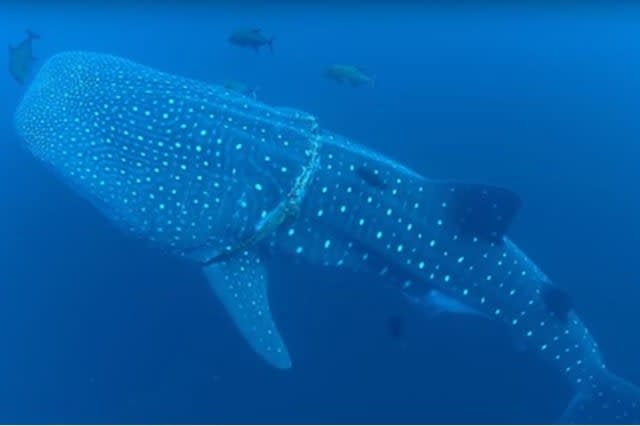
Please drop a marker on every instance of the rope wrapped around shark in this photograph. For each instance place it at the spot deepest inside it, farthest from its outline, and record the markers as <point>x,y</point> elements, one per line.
<point>286,210</point>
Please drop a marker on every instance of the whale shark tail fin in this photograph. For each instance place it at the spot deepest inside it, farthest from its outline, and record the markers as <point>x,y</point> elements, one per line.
<point>609,399</point>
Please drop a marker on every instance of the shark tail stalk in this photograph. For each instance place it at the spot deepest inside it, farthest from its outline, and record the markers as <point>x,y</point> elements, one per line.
<point>608,399</point>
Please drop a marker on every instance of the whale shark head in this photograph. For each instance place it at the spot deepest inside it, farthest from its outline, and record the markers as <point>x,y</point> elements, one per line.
<point>182,163</point>
<point>198,170</point>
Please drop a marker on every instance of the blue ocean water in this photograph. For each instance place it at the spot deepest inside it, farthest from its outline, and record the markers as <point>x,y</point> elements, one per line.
<point>544,100</point>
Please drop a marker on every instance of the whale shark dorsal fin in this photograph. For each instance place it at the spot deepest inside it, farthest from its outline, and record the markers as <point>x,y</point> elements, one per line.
<point>477,210</point>
<point>240,282</point>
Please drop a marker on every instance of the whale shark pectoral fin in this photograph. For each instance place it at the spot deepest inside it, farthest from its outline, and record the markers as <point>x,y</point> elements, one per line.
<point>240,282</point>
<point>481,211</point>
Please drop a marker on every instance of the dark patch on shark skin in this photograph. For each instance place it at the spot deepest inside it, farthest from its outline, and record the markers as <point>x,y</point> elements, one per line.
<point>557,301</point>
<point>370,177</point>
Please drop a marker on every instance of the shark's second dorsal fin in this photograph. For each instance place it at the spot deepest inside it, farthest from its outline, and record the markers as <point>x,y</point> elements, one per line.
<point>476,210</point>
<point>240,282</point>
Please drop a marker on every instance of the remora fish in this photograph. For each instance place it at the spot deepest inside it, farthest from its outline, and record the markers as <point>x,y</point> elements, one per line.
<point>21,58</point>
<point>241,88</point>
<point>219,179</point>
<point>349,74</point>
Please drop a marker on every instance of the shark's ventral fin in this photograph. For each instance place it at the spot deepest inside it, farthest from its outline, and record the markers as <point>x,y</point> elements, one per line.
<point>240,282</point>
<point>435,303</point>
<point>478,210</point>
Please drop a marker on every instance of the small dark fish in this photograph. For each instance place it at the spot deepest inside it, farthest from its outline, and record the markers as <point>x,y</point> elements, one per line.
<point>241,88</point>
<point>252,38</point>
<point>349,74</point>
<point>395,326</point>
<point>21,58</point>
<point>371,177</point>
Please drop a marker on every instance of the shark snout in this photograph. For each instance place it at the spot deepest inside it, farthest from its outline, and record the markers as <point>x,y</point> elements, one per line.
<point>57,118</point>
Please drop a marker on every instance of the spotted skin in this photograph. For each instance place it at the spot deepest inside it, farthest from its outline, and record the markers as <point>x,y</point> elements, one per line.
<point>187,166</point>
<point>183,164</point>
<point>247,270</point>
<point>405,230</point>
<point>219,179</point>
<point>401,227</point>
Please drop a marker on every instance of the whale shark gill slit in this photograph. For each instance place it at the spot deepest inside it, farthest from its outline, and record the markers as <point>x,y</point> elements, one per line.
<point>285,212</point>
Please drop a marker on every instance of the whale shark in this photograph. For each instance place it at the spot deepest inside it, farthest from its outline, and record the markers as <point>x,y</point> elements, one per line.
<point>226,182</point>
